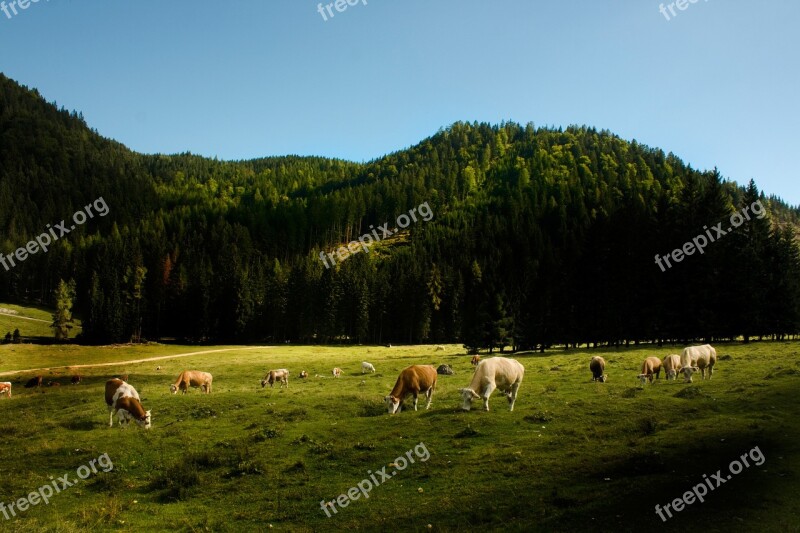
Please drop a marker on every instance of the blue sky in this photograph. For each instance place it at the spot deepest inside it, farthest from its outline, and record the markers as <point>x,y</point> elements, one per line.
<point>717,84</point>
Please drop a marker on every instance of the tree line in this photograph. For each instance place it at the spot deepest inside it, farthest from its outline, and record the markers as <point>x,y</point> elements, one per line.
<point>541,236</point>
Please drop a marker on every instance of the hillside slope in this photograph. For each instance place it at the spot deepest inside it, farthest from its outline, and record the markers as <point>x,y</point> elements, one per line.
<point>538,236</point>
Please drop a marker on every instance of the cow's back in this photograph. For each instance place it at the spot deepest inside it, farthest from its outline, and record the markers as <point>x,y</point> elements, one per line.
<point>706,354</point>
<point>112,385</point>
<point>504,372</point>
<point>116,388</point>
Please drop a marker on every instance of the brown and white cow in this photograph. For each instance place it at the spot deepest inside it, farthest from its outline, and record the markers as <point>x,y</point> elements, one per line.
<point>475,360</point>
<point>192,378</point>
<point>672,365</point>
<point>698,358</point>
<point>494,373</point>
<point>337,372</point>
<point>303,374</point>
<point>598,366</point>
<point>650,367</point>
<point>76,379</point>
<point>412,380</point>
<point>281,375</point>
<point>122,398</point>
<point>5,388</point>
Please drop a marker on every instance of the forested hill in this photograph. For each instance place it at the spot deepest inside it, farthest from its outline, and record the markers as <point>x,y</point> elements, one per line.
<point>539,236</point>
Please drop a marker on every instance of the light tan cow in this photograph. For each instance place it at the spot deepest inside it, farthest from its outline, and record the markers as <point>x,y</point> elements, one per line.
<point>281,375</point>
<point>650,367</point>
<point>192,378</point>
<point>494,373</point>
<point>337,372</point>
<point>672,365</point>
<point>122,398</point>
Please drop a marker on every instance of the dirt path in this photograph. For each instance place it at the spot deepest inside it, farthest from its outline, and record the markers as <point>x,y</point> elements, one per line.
<point>131,362</point>
<point>25,318</point>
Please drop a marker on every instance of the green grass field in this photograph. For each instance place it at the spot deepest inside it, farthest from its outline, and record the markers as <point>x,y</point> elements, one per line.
<point>573,456</point>
<point>33,322</point>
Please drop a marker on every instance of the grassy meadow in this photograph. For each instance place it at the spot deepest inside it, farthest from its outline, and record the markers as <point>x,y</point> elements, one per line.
<point>573,456</point>
<point>32,322</point>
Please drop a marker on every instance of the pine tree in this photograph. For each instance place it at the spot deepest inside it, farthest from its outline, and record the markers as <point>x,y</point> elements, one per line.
<point>62,318</point>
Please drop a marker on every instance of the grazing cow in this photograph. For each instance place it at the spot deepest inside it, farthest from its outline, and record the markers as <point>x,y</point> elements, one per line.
<point>122,398</point>
<point>651,366</point>
<point>303,374</point>
<point>367,367</point>
<point>34,382</point>
<point>445,370</point>
<point>272,376</point>
<point>439,348</point>
<point>158,368</point>
<point>688,372</point>
<point>76,379</point>
<point>337,372</point>
<point>598,365</point>
<point>192,378</point>
<point>701,358</point>
<point>5,388</point>
<point>494,373</point>
<point>412,380</point>
<point>475,360</point>
<point>672,365</point>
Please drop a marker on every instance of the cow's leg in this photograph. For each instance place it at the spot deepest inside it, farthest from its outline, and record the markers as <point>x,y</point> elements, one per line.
<point>710,371</point>
<point>110,416</point>
<point>486,393</point>
<point>415,400</point>
<point>513,396</point>
<point>429,394</point>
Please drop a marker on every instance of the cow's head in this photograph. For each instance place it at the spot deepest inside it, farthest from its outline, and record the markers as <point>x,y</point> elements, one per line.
<point>468,395</point>
<point>264,383</point>
<point>672,373</point>
<point>687,373</point>
<point>173,389</point>
<point>145,421</point>
<point>392,404</point>
<point>642,379</point>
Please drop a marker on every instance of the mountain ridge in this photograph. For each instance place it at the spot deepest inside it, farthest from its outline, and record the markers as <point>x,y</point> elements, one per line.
<point>228,250</point>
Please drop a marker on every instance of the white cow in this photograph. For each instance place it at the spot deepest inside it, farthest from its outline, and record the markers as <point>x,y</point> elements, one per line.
<point>495,373</point>
<point>367,367</point>
<point>698,358</point>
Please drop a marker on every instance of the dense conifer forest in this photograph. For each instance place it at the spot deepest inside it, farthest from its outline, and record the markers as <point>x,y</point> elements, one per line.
<point>540,237</point>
